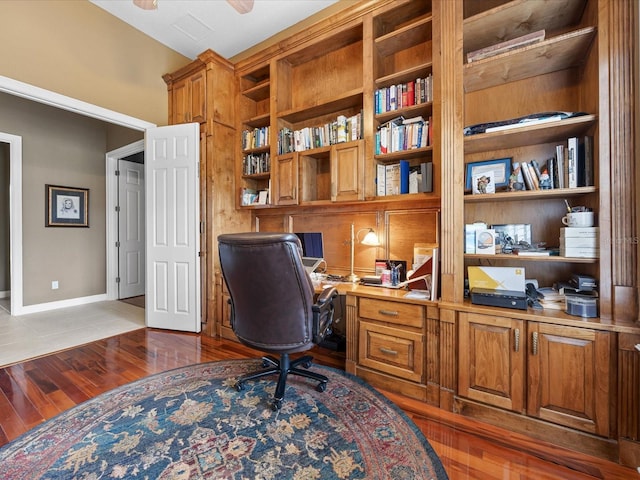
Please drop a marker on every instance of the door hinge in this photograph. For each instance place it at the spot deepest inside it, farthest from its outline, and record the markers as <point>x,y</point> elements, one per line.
<point>201,227</point>
<point>117,279</point>
<point>117,208</point>
<point>117,244</point>
<point>117,173</point>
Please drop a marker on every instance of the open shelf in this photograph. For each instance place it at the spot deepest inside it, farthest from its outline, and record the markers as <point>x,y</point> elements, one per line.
<point>324,106</point>
<point>405,37</point>
<point>529,195</point>
<point>528,134</point>
<point>557,53</point>
<point>526,258</point>
<point>517,18</point>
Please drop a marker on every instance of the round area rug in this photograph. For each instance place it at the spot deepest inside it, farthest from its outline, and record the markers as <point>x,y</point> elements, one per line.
<point>192,423</point>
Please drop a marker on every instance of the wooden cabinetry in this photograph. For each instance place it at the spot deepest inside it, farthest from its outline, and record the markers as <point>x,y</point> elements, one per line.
<point>188,99</point>
<point>395,344</point>
<point>557,74</point>
<point>204,91</point>
<point>564,373</point>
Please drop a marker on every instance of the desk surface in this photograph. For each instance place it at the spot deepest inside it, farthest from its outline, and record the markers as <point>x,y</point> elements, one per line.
<point>347,288</point>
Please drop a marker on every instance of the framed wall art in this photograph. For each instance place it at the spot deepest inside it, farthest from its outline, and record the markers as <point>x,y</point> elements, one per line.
<point>66,206</point>
<point>501,168</point>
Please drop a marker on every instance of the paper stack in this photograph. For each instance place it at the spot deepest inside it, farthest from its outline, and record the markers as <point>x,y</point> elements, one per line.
<point>579,242</point>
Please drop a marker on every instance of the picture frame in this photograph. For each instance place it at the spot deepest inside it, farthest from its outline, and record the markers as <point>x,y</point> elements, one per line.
<point>501,168</point>
<point>66,206</point>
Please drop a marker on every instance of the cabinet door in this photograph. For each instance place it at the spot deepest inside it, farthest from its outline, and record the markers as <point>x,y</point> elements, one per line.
<point>285,179</point>
<point>569,370</point>
<point>491,360</point>
<point>197,97</point>
<point>347,171</point>
<point>189,99</point>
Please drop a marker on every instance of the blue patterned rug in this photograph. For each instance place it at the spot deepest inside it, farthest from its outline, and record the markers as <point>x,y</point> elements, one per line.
<point>191,423</point>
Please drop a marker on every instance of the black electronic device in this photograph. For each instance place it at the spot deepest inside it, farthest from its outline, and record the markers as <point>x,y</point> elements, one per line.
<point>499,298</point>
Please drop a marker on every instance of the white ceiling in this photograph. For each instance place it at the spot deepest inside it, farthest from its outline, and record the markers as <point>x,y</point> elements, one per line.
<point>192,26</point>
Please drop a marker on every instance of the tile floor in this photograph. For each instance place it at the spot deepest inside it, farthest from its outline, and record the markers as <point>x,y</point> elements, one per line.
<point>37,334</point>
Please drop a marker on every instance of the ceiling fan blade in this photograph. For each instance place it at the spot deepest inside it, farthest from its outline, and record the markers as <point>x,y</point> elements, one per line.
<point>241,6</point>
<point>146,4</point>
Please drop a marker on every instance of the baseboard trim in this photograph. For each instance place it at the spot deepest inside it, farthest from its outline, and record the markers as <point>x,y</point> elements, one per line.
<point>72,302</point>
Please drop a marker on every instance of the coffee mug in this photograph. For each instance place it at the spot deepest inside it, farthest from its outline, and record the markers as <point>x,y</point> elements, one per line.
<point>578,219</point>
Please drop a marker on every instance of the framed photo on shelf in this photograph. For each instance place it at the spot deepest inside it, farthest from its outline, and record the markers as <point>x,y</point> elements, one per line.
<point>66,206</point>
<point>501,168</point>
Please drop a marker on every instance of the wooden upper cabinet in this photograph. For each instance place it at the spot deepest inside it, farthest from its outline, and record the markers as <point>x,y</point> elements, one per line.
<point>491,360</point>
<point>189,99</point>
<point>569,374</point>
<point>202,90</point>
<point>347,171</point>
<point>285,179</point>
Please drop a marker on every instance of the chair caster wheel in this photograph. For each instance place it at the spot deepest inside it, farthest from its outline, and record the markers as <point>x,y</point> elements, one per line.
<point>239,386</point>
<point>265,364</point>
<point>321,387</point>
<point>275,405</point>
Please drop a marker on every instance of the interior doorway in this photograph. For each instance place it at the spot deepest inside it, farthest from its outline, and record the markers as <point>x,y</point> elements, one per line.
<point>5,228</point>
<point>126,222</point>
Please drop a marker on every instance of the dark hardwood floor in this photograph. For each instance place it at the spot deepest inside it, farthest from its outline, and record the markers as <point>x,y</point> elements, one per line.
<point>39,389</point>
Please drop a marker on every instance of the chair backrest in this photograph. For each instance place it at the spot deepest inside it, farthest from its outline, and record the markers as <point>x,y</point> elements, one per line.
<point>271,292</point>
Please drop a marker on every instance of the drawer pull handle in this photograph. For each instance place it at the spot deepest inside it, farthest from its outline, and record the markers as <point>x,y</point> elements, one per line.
<point>391,313</point>
<point>388,351</point>
<point>535,343</point>
<point>516,339</point>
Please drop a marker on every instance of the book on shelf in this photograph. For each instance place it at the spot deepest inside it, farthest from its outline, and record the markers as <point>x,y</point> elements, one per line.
<point>401,95</point>
<point>424,272</point>
<point>572,162</point>
<point>404,176</point>
<point>381,177</point>
<point>559,176</point>
<point>585,175</point>
<point>392,179</point>
<point>506,46</point>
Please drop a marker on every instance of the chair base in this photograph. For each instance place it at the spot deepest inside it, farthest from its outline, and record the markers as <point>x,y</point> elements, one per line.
<point>283,367</point>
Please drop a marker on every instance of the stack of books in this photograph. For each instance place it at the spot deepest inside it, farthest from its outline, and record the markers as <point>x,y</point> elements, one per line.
<point>551,298</point>
<point>579,242</point>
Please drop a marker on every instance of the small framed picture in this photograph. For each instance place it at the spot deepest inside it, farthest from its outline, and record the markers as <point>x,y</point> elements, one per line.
<point>483,183</point>
<point>500,167</point>
<point>66,206</point>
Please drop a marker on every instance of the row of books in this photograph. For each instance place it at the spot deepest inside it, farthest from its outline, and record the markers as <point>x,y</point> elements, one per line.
<point>402,177</point>
<point>393,97</point>
<point>571,167</point>
<point>256,163</point>
<point>256,138</point>
<point>401,134</point>
<point>343,129</point>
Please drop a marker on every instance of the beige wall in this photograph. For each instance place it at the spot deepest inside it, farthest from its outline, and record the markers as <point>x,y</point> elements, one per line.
<point>60,148</point>
<point>76,49</point>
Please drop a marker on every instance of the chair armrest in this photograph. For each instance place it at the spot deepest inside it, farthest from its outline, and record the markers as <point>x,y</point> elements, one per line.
<point>323,314</point>
<point>328,294</point>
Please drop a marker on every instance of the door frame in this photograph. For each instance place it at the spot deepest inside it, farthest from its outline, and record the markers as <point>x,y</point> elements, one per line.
<point>112,158</point>
<point>56,100</point>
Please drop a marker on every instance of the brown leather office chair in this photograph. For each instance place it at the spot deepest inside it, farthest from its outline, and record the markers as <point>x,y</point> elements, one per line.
<point>272,304</point>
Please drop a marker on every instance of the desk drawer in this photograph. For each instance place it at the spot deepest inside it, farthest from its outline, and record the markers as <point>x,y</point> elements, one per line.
<point>406,314</point>
<point>394,351</point>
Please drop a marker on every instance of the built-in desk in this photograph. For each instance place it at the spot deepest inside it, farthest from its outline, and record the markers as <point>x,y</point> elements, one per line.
<point>392,341</point>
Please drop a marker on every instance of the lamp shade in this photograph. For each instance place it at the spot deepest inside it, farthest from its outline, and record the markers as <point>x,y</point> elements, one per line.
<point>370,239</point>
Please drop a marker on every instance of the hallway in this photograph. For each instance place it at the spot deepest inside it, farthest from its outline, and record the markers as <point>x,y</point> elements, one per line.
<point>37,334</point>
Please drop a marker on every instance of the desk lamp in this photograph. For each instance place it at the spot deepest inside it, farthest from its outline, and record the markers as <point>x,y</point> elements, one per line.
<point>370,239</point>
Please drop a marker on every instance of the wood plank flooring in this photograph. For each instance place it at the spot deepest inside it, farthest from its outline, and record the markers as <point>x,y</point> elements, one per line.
<point>39,389</point>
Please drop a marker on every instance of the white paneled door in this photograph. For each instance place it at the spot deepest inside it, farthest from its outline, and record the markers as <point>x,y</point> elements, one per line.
<point>172,235</point>
<point>131,229</point>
